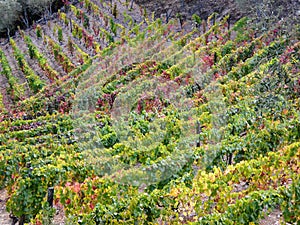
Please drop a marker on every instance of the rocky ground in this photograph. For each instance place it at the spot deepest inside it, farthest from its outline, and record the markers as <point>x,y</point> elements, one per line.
<point>4,215</point>
<point>236,8</point>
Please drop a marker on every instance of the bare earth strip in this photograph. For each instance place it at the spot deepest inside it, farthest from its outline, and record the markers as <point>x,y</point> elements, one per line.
<point>4,215</point>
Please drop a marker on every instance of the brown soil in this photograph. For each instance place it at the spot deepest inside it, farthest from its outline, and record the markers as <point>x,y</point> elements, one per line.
<point>4,215</point>
<point>274,218</point>
<point>204,8</point>
<point>59,217</point>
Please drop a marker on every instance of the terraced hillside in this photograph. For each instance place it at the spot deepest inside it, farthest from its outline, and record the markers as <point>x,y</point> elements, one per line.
<point>134,121</point>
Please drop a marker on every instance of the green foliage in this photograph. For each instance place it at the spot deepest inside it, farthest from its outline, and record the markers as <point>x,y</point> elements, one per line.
<point>59,34</point>
<point>21,11</point>
<point>86,21</point>
<point>197,20</point>
<point>113,27</point>
<point>290,205</point>
<point>34,53</point>
<point>2,107</point>
<point>224,149</point>
<point>60,57</point>
<point>35,83</point>
<point>15,89</point>
<point>9,13</point>
<point>240,27</point>
<point>38,31</point>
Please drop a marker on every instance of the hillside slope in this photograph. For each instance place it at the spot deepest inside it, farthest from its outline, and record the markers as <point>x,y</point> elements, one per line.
<point>236,8</point>
<point>131,120</point>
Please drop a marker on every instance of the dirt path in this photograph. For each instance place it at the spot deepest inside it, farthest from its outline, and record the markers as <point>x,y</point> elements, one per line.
<point>4,215</point>
<point>274,218</point>
<point>3,91</point>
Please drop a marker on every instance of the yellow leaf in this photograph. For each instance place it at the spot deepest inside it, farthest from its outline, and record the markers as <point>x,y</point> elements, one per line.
<point>212,177</point>
<point>174,192</point>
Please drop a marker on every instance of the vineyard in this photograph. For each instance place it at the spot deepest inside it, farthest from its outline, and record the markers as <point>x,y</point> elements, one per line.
<point>135,120</point>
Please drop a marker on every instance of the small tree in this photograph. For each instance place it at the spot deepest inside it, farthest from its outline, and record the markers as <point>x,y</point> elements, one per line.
<point>197,20</point>
<point>113,27</point>
<point>38,31</point>
<point>39,7</point>
<point>9,14</point>
<point>70,46</point>
<point>86,21</point>
<point>60,34</point>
